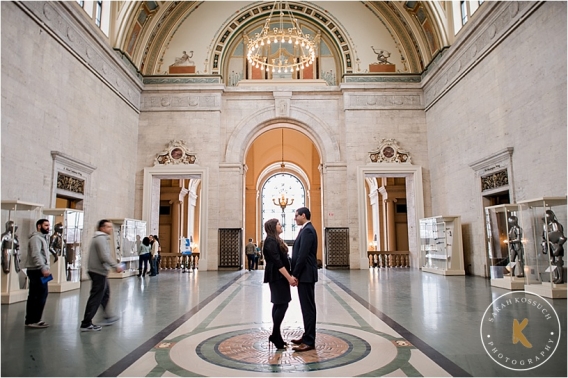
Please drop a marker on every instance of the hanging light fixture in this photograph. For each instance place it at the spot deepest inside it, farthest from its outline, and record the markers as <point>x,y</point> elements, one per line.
<point>302,45</point>
<point>282,165</point>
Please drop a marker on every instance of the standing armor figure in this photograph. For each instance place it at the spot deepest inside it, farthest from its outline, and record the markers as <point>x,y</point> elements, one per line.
<point>56,242</point>
<point>10,246</point>
<point>516,249</point>
<point>553,239</point>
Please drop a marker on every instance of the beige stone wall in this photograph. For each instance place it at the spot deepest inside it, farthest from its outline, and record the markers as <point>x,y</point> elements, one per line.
<point>52,102</point>
<point>506,87</point>
<point>344,128</point>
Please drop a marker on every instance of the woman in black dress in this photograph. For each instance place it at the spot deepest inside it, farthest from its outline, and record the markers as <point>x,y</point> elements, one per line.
<point>277,274</point>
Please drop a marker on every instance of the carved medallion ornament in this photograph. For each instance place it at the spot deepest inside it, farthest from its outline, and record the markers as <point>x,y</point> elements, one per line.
<point>390,152</point>
<point>175,153</point>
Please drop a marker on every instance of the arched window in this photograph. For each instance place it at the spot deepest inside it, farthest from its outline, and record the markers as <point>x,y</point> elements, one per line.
<point>281,195</point>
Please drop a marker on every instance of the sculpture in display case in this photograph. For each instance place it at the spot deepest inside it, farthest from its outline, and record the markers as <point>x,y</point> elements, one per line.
<point>542,220</point>
<point>506,246</point>
<point>19,218</point>
<point>553,240</point>
<point>65,242</point>
<point>10,247</point>
<point>516,249</point>
<point>125,240</point>
<point>56,242</point>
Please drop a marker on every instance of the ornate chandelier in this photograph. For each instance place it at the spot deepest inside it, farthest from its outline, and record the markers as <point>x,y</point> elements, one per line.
<point>302,44</point>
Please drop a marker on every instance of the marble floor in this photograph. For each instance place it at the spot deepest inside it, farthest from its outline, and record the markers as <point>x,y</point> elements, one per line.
<point>377,322</point>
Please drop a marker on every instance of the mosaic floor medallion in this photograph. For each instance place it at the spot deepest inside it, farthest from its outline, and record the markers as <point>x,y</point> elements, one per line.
<point>249,349</point>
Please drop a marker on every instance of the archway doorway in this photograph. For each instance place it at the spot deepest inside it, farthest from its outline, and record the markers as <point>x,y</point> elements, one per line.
<point>184,205</point>
<point>279,161</point>
<point>370,192</point>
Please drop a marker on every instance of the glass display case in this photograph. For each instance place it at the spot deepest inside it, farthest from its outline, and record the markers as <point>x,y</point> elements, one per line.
<point>18,219</point>
<point>505,250</point>
<point>65,248</point>
<point>543,221</point>
<point>126,238</point>
<point>441,245</point>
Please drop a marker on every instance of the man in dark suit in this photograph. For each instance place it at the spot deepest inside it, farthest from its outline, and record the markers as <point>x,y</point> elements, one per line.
<point>305,270</point>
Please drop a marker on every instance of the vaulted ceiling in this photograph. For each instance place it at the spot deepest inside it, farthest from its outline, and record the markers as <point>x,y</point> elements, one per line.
<point>142,28</point>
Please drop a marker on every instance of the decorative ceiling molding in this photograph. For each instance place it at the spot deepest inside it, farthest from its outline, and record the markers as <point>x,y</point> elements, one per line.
<point>417,40</point>
<point>391,19</point>
<point>423,22</point>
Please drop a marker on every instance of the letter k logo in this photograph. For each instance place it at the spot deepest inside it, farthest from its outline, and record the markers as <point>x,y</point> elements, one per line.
<point>518,333</point>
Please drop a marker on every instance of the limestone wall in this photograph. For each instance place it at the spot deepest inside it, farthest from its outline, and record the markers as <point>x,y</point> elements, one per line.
<point>502,84</point>
<point>52,100</point>
<point>219,126</point>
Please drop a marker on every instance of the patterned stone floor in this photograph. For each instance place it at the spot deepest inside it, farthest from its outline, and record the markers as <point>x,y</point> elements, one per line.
<point>350,341</point>
<point>376,322</point>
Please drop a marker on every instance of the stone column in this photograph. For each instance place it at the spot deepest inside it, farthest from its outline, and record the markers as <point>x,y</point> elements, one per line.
<point>391,230</point>
<point>374,201</point>
<point>388,219</point>
<point>191,202</point>
<point>176,207</point>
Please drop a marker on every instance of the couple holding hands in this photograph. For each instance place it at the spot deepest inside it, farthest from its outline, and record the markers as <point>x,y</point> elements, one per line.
<point>302,272</point>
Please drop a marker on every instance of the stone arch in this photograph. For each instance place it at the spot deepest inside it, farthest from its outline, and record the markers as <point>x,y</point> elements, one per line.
<point>265,119</point>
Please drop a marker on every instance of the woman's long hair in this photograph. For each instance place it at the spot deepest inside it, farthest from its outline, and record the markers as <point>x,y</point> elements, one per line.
<point>270,228</point>
<point>146,241</point>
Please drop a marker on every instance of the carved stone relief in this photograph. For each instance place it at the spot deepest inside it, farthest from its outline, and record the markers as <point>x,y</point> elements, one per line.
<point>71,184</point>
<point>384,101</point>
<point>176,152</point>
<point>282,107</point>
<point>390,152</point>
<point>180,102</point>
<point>494,180</point>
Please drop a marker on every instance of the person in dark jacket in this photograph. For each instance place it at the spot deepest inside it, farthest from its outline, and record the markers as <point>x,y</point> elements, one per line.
<point>305,270</point>
<point>100,263</point>
<point>277,275</point>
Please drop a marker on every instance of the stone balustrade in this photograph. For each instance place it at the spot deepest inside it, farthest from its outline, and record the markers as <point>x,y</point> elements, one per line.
<point>389,259</point>
<point>176,260</point>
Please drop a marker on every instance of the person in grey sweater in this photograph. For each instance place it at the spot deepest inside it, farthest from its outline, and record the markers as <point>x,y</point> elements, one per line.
<point>37,264</point>
<point>98,267</point>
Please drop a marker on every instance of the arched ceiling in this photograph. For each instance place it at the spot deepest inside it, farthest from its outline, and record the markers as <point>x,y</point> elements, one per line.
<point>143,29</point>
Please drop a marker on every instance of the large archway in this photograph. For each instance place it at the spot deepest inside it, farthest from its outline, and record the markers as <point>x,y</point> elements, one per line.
<point>281,149</point>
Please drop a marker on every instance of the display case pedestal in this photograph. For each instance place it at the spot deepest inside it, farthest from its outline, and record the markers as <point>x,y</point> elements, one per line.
<point>548,290</point>
<point>543,220</point>
<point>441,250</point>
<point>515,283</point>
<point>59,284</point>
<point>11,292</point>
<point>444,272</point>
